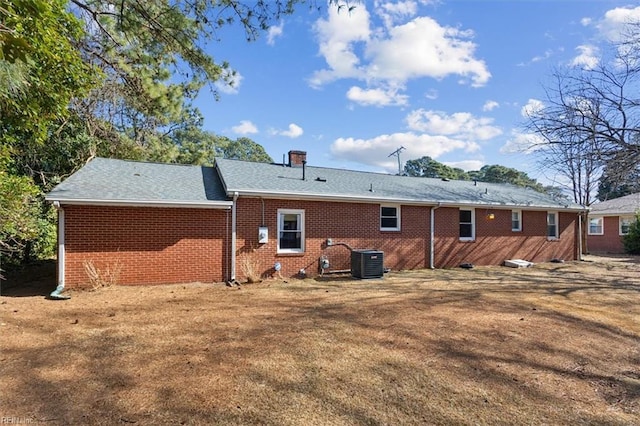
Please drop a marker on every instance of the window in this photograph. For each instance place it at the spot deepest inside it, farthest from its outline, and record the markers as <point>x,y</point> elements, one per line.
<point>516,220</point>
<point>290,231</point>
<point>389,218</point>
<point>467,225</point>
<point>552,225</point>
<point>625,223</point>
<point>595,226</point>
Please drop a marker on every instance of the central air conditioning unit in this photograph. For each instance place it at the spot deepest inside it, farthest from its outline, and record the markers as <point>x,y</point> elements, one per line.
<point>367,264</point>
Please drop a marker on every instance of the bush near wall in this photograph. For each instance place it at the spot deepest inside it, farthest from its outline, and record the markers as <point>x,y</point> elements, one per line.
<point>631,241</point>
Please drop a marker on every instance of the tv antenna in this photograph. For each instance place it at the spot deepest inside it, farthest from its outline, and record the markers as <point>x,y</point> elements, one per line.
<point>397,154</point>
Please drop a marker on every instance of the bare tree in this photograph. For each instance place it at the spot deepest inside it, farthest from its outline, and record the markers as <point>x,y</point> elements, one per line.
<point>591,119</point>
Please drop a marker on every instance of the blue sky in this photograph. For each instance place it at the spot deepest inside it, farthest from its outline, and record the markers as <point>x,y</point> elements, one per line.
<point>447,79</point>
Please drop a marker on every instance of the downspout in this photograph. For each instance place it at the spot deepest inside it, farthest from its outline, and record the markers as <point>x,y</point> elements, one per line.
<point>227,245</point>
<point>233,236</point>
<point>57,293</point>
<point>580,234</point>
<point>432,236</point>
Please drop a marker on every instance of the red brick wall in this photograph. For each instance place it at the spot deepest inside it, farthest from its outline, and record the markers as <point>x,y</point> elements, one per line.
<point>148,245</point>
<point>173,245</point>
<point>496,242</point>
<point>610,241</point>
<point>358,226</point>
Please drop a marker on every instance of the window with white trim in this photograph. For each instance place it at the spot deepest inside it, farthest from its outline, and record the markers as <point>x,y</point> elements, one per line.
<point>624,224</point>
<point>516,220</point>
<point>467,225</point>
<point>596,225</point>
<point>552,225</point>
<point>290,231</point>
<point>389,218</point>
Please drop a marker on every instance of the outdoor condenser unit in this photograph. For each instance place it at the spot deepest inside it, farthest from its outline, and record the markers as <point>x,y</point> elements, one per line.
<point>367,264</point>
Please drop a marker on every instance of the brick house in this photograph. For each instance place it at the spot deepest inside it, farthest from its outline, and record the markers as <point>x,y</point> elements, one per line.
<point>165,223</point>
<point>608,223</point>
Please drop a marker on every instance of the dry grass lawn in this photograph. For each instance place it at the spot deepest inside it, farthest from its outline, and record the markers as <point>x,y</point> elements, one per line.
<point>553,344</point>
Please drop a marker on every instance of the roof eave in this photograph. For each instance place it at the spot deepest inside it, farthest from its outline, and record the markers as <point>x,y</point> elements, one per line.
<point>612,213</point>
<point>387,200</point>
<point>141,203</point>
<point>324,197</point>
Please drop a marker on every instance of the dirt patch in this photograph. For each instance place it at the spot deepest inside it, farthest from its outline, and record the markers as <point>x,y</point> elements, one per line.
<point>552,344</point>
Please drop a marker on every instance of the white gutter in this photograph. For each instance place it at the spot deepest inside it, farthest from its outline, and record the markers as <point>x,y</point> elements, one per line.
<point>324,197</point>
<point>610,213</point>
<point>57,293</point>
<point>139,203</point>
<point>234,209</point>
<point>384,199</point>
<point>432,236</point>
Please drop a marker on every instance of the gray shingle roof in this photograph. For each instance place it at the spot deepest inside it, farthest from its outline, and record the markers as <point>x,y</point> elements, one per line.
<point>111,181</point>
<point>629,204</point>
<point>105,180</point>
<point>325,183</point>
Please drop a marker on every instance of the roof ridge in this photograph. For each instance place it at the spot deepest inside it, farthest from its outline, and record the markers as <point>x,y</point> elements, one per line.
<point>499,184</point>
<point>156,163</point>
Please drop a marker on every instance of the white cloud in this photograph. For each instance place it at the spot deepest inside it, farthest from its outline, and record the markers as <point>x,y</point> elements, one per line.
<point>376,97</point>
<point>431,133</point>
<point>245,127</point>
<point>274,32</point>
<point>336,36</point>
<point>588,57</point>
<point>377,56</point>
<point>466,165</point>
<point>460,124</point>
<point>230,84</point>
<point>431,94</point>
<point>490,105</point>
<point>375,151</point>
<point>292,132</point>
<point>435,52</point>
<point>585,22</point>
<point>546,55</point>
<point>532,107</point>
<point>392,12</point>
<point>519,142</point>
<point>614,25</point>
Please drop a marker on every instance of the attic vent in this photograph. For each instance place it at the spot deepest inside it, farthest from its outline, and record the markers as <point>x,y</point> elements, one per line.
<point>321,179</point>
<point>445,179</point>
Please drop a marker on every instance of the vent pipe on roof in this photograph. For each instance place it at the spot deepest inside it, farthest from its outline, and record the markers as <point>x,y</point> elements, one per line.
<point>304,169</point>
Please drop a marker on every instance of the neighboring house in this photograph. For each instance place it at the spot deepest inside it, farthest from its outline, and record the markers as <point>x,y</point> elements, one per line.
<point>165,223</point>
<point>609,221</point>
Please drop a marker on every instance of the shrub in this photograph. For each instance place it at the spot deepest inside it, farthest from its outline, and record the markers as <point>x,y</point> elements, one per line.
<point>102,277</point>
<point>631,241</point>
<point>250,264</point>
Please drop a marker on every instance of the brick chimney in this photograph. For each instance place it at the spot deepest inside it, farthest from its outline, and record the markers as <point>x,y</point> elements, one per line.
<point>297,158</point>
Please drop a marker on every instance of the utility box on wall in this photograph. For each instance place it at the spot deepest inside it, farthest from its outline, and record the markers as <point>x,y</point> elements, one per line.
<point>367,264</point>
<point>263,235</point>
